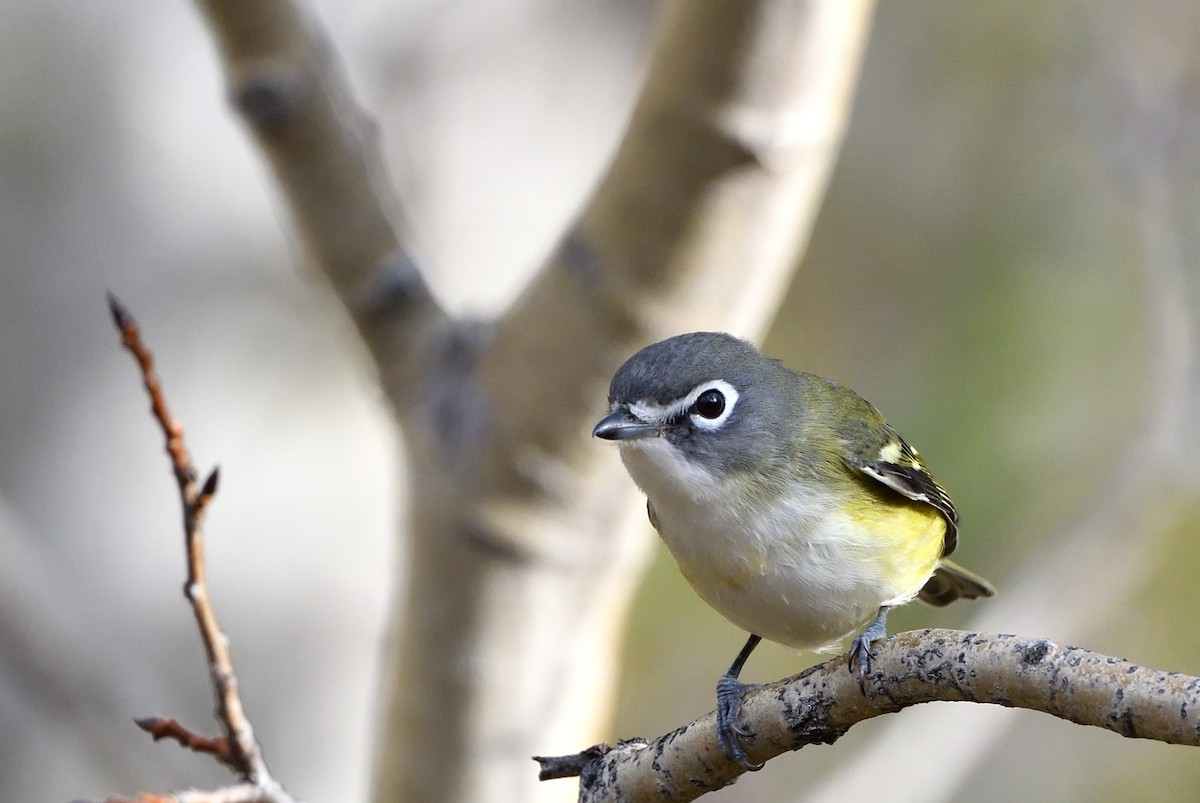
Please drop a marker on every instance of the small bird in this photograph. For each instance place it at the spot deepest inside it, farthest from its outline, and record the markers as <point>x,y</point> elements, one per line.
<point>790,505</point>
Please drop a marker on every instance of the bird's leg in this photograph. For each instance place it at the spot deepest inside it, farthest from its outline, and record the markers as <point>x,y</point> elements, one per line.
<point>729,708</point>
<point>860,651</point>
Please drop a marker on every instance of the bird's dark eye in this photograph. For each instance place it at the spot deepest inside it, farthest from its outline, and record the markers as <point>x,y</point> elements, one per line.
<point>710,404</point>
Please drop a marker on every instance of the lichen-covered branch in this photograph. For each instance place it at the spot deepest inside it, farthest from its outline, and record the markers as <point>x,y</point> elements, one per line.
<point>819,705</point>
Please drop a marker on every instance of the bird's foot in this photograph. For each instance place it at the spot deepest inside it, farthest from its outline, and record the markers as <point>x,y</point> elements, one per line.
<point>730,731</point>
<point>859,662</point>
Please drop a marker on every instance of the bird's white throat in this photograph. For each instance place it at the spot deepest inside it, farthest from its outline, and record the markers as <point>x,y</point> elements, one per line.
<point>665,474</point>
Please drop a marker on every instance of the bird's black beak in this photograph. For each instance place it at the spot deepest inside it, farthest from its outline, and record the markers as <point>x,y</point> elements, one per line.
<point>620,425</point>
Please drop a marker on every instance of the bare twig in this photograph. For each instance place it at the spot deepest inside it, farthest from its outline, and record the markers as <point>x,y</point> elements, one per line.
<point>181,461</point>
<point>821,704</point>
<point>238,748</point>
<point>160,728</point>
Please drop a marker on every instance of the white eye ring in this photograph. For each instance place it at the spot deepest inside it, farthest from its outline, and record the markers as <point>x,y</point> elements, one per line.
<point>729,398</point>
<point>659,414</point>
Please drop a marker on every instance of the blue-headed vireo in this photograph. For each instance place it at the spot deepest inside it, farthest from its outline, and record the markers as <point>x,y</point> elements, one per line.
<point>789,504</point>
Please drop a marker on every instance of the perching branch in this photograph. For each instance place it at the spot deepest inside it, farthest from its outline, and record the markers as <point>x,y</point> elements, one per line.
<point>820,704</point>
<point>237,749</point>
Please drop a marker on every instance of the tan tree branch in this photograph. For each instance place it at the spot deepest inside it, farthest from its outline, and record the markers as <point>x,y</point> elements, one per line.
<point>521,562</point>
<point>697,225</point>
<point>706,207</point>
<point>821,704</point>
<point>284,79</point>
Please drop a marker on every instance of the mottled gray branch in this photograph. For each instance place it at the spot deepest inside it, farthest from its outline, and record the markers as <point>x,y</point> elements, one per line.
<point>819,705</point>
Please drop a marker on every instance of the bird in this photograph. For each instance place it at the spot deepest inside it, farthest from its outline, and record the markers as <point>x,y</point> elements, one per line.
<point>788,502</point>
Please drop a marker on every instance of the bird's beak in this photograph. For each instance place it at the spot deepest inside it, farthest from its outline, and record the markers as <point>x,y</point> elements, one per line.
<point>620,425</point>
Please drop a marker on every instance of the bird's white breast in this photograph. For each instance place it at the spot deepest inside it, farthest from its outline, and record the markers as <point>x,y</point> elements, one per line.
<point>793,568</point>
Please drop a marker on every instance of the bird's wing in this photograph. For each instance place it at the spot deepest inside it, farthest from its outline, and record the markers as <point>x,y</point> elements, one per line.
<point>898,466</point>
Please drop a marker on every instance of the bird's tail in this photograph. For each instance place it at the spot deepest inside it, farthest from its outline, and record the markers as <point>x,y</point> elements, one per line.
<point>950,582</point>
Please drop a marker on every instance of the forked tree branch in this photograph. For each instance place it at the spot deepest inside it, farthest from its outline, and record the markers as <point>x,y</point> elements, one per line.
<point>821,704</point>
<point>517,574</point>
<point>237,748</point>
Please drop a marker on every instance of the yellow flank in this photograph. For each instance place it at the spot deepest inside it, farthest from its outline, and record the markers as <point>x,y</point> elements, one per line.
<point>904,539</point>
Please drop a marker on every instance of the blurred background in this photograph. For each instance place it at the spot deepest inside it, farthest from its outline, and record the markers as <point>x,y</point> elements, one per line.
<point>1005,264</point>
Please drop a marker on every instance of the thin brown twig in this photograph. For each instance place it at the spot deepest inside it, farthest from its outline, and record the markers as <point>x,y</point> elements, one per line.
<point>240,750</point>
<point>171,728</point>
<point>181,461</point>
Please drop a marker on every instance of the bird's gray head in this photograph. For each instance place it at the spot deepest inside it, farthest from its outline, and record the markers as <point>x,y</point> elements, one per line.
<point>711,396</point>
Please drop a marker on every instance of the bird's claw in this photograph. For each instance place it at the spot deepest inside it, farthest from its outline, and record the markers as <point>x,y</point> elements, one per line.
<point>859,662</point>
<point>730,731</point>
